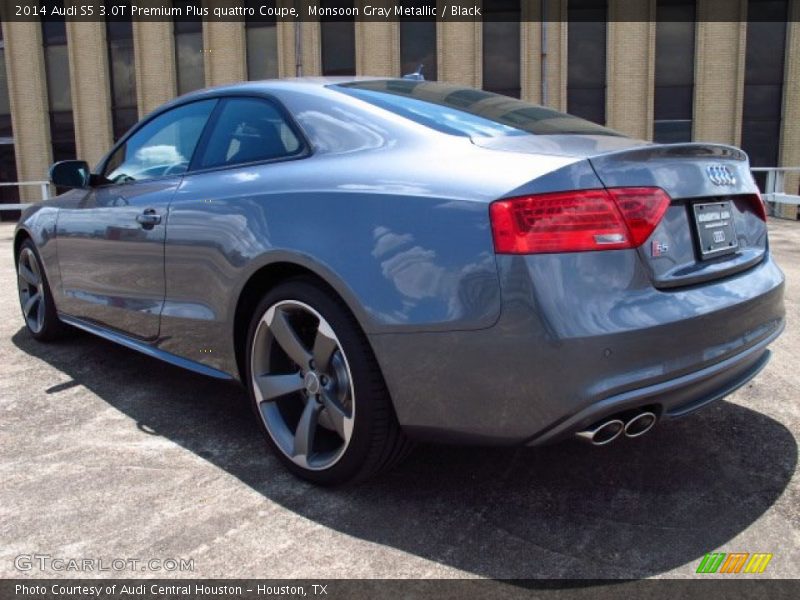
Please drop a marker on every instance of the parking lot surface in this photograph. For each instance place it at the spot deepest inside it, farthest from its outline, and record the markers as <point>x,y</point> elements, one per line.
<point>108,454</point>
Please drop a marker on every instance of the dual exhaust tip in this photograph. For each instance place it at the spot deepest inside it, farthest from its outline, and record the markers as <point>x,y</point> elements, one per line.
<point>607,431</point>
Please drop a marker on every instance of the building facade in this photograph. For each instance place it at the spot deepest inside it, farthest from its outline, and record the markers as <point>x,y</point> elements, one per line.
<point>671,71</point>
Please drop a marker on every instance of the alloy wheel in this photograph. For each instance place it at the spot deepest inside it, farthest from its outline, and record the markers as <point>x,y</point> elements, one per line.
<point>31,290</point>
<point>303,385</point>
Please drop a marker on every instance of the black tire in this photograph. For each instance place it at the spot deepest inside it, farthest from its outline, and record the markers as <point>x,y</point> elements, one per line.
<point>376,442</point>
<point>51,326</point>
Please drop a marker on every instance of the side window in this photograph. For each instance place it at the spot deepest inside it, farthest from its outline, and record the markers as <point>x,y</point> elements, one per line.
<point>162,147</point>
<point>248,130</point>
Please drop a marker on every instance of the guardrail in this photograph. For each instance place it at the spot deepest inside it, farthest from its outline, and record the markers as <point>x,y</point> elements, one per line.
<point>774,190</point>
<point>44,187</point>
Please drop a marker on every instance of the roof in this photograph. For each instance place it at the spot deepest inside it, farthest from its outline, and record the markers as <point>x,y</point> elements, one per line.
<point>285,83</point>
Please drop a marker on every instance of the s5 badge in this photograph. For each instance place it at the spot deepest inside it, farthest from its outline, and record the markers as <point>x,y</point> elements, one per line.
<point>658,248</point>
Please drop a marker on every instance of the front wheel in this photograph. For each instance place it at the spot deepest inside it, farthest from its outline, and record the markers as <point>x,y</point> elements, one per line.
<point>35,299</point>
<point>317,389</point>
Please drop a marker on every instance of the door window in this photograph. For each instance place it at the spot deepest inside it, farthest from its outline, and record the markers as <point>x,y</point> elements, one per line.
<point>162,147</point>
<point>248,130</point>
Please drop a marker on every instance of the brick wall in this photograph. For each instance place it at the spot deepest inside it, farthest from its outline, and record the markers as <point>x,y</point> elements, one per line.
<point>719,71</point>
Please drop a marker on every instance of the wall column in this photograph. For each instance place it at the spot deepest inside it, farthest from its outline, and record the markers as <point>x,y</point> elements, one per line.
<point>557,64</point>
<point>377,48</point>
<point>225,57</point>
<point>790,138</point>
<point>459,49</point>
<point>719,71</point>
<point>531,53</point>
<point>286,41</point>
<point>91,89</point>
<point>27,92</point>
<point>310,39</point>
<point>154,54</point>
<point>312,48</point>
<point>630,67</point>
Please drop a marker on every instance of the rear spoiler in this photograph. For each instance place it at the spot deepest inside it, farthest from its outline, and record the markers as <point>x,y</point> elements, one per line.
<point>688,150</point>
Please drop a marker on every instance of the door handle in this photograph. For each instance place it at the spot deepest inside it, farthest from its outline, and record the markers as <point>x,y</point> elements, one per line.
<point>148,219</point>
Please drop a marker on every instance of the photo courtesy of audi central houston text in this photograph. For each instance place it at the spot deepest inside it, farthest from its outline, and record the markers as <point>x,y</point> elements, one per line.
<point>382,261</point>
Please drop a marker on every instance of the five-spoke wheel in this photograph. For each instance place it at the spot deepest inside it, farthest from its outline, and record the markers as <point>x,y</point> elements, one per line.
<point>31,289</point>
<point>317,389</point>
<point>37,304</point>
<point>303,384</point>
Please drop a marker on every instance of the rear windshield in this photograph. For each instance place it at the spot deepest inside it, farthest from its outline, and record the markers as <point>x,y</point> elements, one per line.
<point>466,111</point>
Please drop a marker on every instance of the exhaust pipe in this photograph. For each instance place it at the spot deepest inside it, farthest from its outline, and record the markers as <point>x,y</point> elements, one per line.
<point>640,424</point>
<point>603,434</point>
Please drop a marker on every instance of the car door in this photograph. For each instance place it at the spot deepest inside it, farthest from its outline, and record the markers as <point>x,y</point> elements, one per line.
<point>249,154</point>
<point>111,243</point>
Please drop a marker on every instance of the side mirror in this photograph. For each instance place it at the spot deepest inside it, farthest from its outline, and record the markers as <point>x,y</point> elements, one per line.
<point>70,174</point>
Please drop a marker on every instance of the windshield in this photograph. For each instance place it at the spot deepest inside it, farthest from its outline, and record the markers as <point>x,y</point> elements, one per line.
<point>464,111</point>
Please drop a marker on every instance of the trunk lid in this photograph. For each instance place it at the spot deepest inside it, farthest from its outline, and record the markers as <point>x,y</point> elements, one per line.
<point>712,228</point>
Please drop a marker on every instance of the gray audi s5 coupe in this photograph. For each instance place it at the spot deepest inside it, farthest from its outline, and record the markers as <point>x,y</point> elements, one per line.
<point>381,261</point>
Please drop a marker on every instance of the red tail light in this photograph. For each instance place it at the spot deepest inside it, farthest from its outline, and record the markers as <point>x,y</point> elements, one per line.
<point>577,221</point>
<point>759,206</point>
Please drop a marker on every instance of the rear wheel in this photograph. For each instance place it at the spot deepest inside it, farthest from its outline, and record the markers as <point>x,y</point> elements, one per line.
<point>36,301</point>
<point>317,389</point>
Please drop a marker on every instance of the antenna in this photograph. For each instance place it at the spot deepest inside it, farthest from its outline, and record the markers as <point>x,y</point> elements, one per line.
<point>416,75</point>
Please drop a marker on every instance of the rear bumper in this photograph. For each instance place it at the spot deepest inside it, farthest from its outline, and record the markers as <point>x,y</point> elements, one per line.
<point>578,340</point>
<point>670,399</point>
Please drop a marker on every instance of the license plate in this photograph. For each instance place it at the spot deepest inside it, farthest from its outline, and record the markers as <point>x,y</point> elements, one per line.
<point>715,228</point>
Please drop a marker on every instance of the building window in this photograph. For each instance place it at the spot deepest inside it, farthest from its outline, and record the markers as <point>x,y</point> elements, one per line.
<point>418,44</point>
<point>119,37</point>
<point>56,64</point>
<point>586,59</point>
<point>674,74</point>
<point>501,47</point>
<point>189,61</point>
<point>338,41</point>
<point>262,43</point>
<point>763,82</point>
<point>6,135</point>
<point>8,163</point>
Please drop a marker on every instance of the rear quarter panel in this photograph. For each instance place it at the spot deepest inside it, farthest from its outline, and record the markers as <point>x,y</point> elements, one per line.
<point>406,243</point>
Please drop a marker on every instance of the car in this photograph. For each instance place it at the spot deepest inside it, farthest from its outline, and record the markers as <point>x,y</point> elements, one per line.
<point>386,261</point>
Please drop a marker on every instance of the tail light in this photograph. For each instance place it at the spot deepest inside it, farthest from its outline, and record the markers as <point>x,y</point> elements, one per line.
<point>759,207</point>
<point>577,221</point>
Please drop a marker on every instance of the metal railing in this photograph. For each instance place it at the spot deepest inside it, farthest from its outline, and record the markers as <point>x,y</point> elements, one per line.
<point>774,190</point>
<point>44,187</point>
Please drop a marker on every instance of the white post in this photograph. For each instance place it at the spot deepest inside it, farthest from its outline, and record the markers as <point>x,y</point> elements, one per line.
<point>770,188</point>
<point>45,191</point>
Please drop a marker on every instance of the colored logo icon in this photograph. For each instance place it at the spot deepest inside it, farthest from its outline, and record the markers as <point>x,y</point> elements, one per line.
<point>734,562</point>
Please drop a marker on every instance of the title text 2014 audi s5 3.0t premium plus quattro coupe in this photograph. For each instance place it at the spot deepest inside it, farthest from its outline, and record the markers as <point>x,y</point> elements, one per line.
<point>386,260</point>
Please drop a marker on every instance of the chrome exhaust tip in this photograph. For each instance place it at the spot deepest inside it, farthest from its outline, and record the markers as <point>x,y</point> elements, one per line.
<point>603,434</point>
<point>640,424</point>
